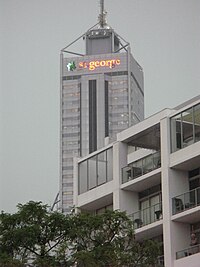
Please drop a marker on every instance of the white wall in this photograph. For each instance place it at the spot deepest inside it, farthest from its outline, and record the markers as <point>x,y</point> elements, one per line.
<point>119,161</point>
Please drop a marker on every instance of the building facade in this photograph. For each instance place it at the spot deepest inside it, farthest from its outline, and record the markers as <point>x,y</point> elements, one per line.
<point>152,171</point>
<point>101,94</point>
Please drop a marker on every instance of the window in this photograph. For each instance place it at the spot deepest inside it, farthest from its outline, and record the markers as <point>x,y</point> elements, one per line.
<point>92,116</point>
<point>106,109</point>
<point>194,182</point>
<point>150,204</point>
<point>185,128</point>
<point>197,123</point>
<point>95,171</point>
<point>101,168</point>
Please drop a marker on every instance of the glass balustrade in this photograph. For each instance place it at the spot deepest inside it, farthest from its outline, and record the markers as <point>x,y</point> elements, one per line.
<point>141,167</point>
<point>147,215</point>
<point>186,201</point>
<point>188,251</point>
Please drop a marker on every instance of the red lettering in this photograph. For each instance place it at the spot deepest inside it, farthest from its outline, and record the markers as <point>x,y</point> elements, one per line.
<point>96,64</point>
<point>92,65</point>
<point>102,63</point>
<point>80,64</point>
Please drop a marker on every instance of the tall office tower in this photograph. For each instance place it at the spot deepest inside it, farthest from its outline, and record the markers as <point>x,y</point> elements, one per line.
<point>101,95</point>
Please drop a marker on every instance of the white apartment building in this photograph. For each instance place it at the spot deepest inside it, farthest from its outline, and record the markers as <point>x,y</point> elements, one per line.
<point>152,171</point>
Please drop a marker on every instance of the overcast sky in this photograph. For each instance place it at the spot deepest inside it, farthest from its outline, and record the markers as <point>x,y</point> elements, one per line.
<point>165,40</point>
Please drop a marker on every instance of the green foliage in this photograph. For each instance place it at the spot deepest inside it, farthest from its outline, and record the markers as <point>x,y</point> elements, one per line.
<point>43,238</point>
<point>8,261</point>
<point>98,239</point>
<point>142,253</point>
<point>32,232</point>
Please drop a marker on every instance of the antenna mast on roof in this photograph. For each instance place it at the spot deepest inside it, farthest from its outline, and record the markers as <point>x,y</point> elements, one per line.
<point>102,15</point>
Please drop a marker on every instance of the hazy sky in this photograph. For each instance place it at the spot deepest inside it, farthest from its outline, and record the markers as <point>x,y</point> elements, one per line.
<point>165,40</point>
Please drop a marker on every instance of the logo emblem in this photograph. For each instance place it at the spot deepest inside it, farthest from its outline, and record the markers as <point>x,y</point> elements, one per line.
<point>71,66</point>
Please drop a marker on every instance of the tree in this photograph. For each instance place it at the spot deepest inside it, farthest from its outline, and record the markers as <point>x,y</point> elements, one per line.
<point>36,236</point>
<point>8,244</point>
<point>33,233</point>
<point>108,240</point>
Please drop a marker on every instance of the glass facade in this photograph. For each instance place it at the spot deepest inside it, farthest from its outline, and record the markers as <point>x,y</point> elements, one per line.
<point>95,171</point>
<point>185,128</point>
<point>70,134</point>
<point>118,105</point>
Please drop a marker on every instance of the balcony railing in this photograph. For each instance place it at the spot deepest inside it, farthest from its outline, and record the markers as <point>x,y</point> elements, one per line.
<point>147,215</point>
<point>188,251</point>
<point>186,201</point>
<point>141,167</point>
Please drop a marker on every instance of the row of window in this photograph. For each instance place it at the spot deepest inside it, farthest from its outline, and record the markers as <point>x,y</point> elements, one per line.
<point>74,77</point>
<point>72,121</point>
<point>117,73</point>
<point>71,127</point>
<point>71,94</point>
<point>66,100</point>
<point>70,110</point>
<point>71,134</point>
<point>121,90</point>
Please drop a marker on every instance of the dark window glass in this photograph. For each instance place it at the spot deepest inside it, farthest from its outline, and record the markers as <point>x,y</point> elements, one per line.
<point>106,109</point>
<point>194,183</point>
<point>194,172</point>
<point>92,117</point>
<point>150,191</point>
<point>197,122</point>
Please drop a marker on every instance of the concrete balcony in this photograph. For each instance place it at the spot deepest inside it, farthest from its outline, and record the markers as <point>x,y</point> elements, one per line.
<point>96,198</point>
<point>147,216</point>
<point>141,167</point>
<point>186,158</point>
<point>143,182</point>
<point>186,207</point>
<point>186,201</point>
<point>135,178</point>
<point>189,260</point>
<point>188,251</point>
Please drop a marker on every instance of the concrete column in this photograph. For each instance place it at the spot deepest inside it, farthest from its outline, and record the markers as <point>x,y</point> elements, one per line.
<point>119,161</point>
<point>123,200</point>
<point>75,182</point>
<point>167,203</point>
<point>174,182</point>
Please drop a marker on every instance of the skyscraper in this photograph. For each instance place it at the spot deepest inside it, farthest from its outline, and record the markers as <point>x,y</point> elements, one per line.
<point>101,95</point>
